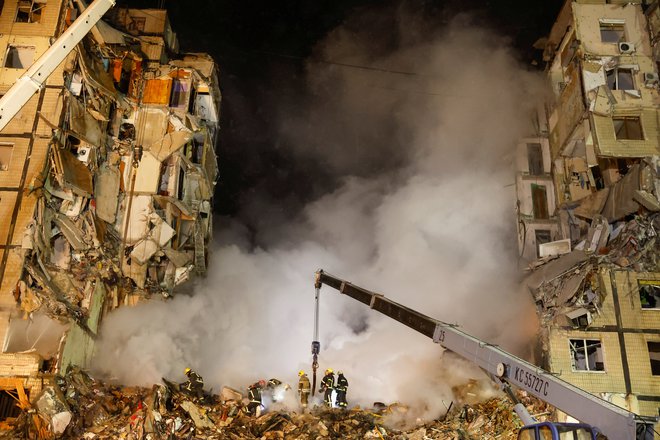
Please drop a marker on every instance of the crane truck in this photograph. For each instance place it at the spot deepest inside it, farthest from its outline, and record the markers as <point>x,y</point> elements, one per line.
<point>599,416</point>
<point>36,75</point>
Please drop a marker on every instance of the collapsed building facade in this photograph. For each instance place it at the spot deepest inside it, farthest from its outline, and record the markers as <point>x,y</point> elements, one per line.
<point>588,190</point>
<point>106,182</point>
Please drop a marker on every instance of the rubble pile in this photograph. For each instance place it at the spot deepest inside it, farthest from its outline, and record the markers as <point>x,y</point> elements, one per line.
<point>81,407</point>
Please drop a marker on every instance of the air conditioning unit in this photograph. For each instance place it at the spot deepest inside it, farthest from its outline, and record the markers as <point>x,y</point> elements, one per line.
<point>626,47</point>
<point>650,79</point>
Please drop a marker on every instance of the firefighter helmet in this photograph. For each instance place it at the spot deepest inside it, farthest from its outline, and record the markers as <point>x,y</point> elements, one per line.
<point>339,373</point>
<point>328,371</point>
<point>301,373</point>
<point>187,371</point>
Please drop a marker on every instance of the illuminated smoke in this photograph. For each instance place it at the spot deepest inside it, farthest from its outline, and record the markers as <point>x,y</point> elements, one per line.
<point>422,212</point>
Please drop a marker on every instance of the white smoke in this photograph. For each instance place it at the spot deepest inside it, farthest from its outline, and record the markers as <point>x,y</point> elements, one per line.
<point>433,229</point>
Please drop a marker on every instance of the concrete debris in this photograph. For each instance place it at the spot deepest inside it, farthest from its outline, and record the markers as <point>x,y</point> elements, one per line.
<point>92,409</point>
<point>126,194</point>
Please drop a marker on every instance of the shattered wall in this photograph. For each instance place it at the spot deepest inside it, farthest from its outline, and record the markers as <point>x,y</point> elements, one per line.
<point>106,191</point>
<point>597,303</point>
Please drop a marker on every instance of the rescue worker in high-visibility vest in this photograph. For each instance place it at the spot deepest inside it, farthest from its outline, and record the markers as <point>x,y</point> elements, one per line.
<point>254,395</point>
<point>194,386</point>
<point>304,388</point>
<point>342,388</point>
<point>327,385</point>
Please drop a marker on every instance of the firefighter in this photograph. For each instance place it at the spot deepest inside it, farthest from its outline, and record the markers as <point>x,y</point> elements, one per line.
<point>304,388</point>
<point>194,386</point>
<point>341,387</point>
<point>327,385</point>
<point>277,389</point>
<point>254,394</point>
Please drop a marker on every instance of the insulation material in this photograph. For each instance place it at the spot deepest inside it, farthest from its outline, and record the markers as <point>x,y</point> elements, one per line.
<point>106,192</point>
<point>158,236</point>
<point>593,75</point>
<point>83,125</point>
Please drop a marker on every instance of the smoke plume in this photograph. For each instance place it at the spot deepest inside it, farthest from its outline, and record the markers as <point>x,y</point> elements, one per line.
<point>417,138</point>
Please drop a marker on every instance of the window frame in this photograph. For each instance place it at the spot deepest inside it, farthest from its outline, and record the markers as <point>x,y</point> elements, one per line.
<point>615,26</point>
<point>35,6</point>
<point>10,146</point>
<point>655,283</point>
<point>617,79</point>
<point>626,125</point>
<point>586,343</point>
<point>655,365</point>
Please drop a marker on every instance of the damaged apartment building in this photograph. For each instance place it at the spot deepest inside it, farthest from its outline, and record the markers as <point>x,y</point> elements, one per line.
<point>588,190</point>
<point>106,182</point>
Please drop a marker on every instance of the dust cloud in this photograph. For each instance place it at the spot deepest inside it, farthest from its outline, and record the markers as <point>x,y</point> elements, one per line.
<point>423,212</point>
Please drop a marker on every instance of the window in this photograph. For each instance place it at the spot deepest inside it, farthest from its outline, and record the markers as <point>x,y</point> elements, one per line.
<point>179,94</point>
<point>612,31</point>
<point>541,236</point>
<point>586,355</point>
<point>6,151</point>
<point>649,294</point>
<point>654,357</point>
<point>535,159</point>
<point>19,57</point>
<point>628,128</point>
<point>540,202</point>
<point>30,11</point>
<point>620,79</point>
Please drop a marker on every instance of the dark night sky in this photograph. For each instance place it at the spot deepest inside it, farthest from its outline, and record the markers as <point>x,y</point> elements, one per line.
<point>261,45</point>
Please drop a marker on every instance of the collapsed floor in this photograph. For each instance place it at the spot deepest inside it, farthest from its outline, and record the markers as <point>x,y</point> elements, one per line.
<point>81,407</point>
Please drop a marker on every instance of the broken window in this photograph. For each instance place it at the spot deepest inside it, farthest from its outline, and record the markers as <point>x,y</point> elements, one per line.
<point>540,202</point>
<point>586,355</point>
<point>30,11</point>
<point>620,79</point>
<point>654,357</point>
<point>541,236</point>
<point>535,159</point>
<point>179,94</point>
<point>628,128</point>
<point>136,24</point>
<point>9,404</point>
<point>649,294</point>
<point>19,57</point>
<point>612,31</point>
<point>6,151</point>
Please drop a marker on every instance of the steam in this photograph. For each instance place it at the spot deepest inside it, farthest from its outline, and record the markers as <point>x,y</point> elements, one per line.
<point>422,211</point>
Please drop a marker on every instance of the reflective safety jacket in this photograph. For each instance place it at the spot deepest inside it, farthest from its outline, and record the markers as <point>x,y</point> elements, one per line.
<point>328,382</point>
<point>195,382</point>
<point>342,383</point>
<point>304,386</point>
<point>254,393</point>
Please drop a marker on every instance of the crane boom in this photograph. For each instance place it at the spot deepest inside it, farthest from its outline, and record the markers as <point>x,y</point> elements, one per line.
<point>34,78</point>
<point>611,420</point>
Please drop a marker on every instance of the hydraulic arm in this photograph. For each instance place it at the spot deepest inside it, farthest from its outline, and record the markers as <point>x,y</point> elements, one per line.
<point>504,368</point>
